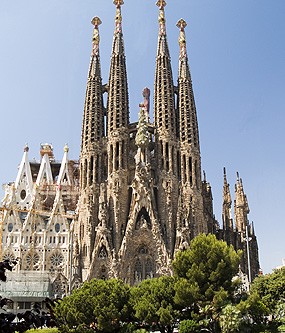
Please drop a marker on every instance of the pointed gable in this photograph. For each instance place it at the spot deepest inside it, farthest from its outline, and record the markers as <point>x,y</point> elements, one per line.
<point>24,173</point>
<point>63,177</point>
<point>45,174</point>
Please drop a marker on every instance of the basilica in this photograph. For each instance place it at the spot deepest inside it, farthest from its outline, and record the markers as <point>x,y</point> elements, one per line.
<point>136,195</point>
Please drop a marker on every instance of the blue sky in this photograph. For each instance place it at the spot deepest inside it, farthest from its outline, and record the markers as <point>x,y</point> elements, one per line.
<point>237,57</point>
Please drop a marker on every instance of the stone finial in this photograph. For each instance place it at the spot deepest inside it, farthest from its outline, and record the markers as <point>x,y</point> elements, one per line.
<point>118,18</point>
<point>96,21</point>
<point>181,24</point>
<point>225,176</point>
<point>118,3</point>
<point>96,37</point>
<point>26,148</point>
<point>66,148</point>
<point>161,18</point>
<point>161,4</point>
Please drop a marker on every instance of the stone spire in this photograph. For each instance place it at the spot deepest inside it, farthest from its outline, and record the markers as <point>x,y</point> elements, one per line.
<point>189,143</point>
<point>93,120</point>
<point>241,206</point>
<point>164,108</point>
<point>227,204</point>
<point>92,155</point>
<point>187,110</point>
<point>188,124</point>
<point>118,100</point>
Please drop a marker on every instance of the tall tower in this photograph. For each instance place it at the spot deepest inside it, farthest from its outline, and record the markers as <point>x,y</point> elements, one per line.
<point>228,227</point>
<point>165,122</point>
<point>246,239</point>
<point>93,161</point>
<point>192,210</point>
<point>118,135</point>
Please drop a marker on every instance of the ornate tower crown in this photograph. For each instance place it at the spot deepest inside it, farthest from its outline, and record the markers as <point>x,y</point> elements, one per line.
<point>96,37</point>
<point>118,17</point>
<point>161,4</point>
<point>181,24</point>
<point>161,19</point>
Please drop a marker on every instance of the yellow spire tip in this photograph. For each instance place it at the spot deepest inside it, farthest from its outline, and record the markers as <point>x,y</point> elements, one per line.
<point>161,4</point>
<point>181,24</point>
<point>96,21</point>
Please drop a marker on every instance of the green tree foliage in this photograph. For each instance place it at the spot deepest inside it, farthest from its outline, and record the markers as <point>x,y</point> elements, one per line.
<point>188,326</point>
<point>254,309</point>
<point>43,330</point>
<point>271,289</point>
<point>153,302</point>
<point>98,305</point>
<point>265,305</point>
<point>205,274</point>
<point>230,319</point>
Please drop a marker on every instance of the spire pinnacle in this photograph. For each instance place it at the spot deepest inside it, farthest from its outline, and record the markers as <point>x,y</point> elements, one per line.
<point>66,148</point>
<point>181,24</point>
<point>225,176</point>
<point>161,4</point>
<point>118,3</point>
<point>161,19</point>
<point>118,18</point>
<point>96,37</point>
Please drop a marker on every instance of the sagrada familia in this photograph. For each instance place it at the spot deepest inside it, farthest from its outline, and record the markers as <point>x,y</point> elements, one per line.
<point>135,197</point>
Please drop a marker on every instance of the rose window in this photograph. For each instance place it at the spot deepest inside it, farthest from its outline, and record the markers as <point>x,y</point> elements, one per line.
<point>32,260</point>
<point>56,259</point>
<point>8,256</point>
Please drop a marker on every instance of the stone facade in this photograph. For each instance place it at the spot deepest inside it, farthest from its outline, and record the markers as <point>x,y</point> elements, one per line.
<point>137,194</point>
<point>142,197</point>
<point>38,214</point>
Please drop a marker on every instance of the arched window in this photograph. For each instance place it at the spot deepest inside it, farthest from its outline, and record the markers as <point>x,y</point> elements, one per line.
<point>148,269</point>
<point>144,267</point>
<point>138,271</point>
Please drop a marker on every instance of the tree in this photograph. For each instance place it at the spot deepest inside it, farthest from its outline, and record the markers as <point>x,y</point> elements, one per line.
<point>99,305</point>
<point>264,306</point>
<point>205,274</point>
<point>153,302</point>
<point>230,319</point>
<point>271,289</point>
<point>189,326</point>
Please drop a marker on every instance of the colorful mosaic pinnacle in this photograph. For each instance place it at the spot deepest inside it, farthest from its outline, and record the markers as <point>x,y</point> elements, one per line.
<point>96,37</point>
<point>161,18</point>
<point>118,18</point>
<point>161,4</point>
<point>96,21</point>
<point>118,3</point>
<point>181,24</point>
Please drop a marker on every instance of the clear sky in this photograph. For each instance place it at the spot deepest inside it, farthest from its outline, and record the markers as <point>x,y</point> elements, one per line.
<point>237,57</point>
